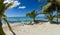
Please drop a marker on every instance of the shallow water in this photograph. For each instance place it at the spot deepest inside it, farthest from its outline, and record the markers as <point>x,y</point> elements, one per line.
<point>25,19</point>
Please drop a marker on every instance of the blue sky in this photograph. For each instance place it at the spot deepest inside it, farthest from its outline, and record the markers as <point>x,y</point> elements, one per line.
<point>21,7</point>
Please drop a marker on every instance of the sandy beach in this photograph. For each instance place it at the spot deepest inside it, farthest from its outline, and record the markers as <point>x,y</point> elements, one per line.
<point>36,29</point>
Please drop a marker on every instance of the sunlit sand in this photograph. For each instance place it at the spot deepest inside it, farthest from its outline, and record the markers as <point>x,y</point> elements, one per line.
<point>37,29</point>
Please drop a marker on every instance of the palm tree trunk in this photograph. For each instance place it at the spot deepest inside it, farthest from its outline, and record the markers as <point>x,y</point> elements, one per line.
<point>1,29</point>
<point>51,21</point>
<point>57,14</point>
<point>11,29</point>
<point>34,19</point>
<point>9,26</point>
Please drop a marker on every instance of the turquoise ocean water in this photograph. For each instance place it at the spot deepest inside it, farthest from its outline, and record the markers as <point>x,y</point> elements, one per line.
<point>25,19</point>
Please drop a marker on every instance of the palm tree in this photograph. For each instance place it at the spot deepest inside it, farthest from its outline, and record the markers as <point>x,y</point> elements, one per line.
<point>52,5</point>
<point>58,15</point>
<point>48,15</point>
<point>3,7</point>
<point>32,15</point>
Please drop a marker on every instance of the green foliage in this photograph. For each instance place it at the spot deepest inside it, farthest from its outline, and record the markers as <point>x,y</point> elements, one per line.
<point>9,5</point>
<point>40,0</point>
<point>50,17</point>
<point>32,14</point>
<point>58,15</point>
<point>3,7</point>
<point>51,5</point>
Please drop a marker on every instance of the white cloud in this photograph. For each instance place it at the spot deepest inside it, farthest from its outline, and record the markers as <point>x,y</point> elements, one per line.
<point>8,1</point>
<point>16,3</point>
<point>22,7</point>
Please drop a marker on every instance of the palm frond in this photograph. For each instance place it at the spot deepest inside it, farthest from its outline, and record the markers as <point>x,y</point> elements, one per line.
<point>9,5</point>
<point>39,0</point>
<point>1,1</point>
<point>57,16</point>
<point>32,14</point>
<point>46,6</point>
<point>58,2</point>
<point>48,0</point>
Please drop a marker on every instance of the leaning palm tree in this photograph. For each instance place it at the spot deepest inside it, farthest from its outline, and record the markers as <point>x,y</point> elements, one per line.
<point>52,5</point>
<point>58,15</point>
<point>48,15</point>
<point>32,15</point>
<point>3,7</point>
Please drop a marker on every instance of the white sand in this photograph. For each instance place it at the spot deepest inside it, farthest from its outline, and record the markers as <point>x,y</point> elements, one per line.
<point>37,29</point>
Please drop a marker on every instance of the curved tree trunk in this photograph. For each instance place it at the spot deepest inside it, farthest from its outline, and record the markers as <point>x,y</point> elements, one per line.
<point>11,29</point>
<point>57,14</point>
<point>51,21</point>
<point>1,29</point>
<point>9,26</point>
<point>34,19</point>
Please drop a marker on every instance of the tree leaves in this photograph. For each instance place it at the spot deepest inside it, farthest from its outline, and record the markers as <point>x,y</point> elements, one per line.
<point>3,7</point>
<point>32,14</point>
<point>9,5</point>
